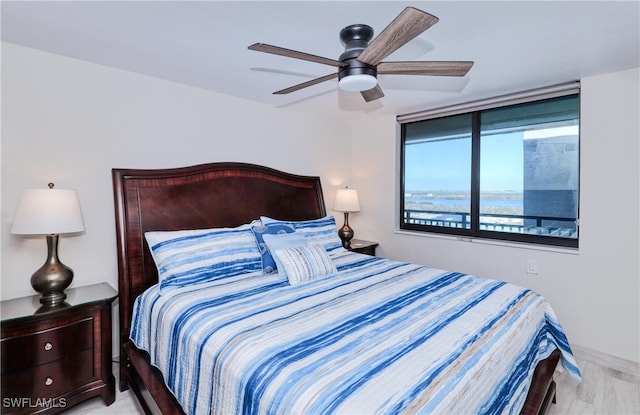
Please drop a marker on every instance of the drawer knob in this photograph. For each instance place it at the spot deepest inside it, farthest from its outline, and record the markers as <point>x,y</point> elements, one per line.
<point>48,346</point>
<point>48,381</point>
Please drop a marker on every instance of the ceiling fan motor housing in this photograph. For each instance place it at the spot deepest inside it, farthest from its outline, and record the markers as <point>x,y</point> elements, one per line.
<point>355,39</point>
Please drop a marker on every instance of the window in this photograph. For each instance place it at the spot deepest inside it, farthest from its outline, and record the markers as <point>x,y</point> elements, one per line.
<point>507,172</point>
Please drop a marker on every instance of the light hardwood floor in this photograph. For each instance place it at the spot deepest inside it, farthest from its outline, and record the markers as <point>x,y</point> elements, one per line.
<point>610,386</point>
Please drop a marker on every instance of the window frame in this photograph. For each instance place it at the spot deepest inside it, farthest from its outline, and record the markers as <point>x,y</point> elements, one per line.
<point>474,231</point>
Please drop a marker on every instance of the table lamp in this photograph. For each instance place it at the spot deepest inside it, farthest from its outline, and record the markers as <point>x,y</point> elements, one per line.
<point>346,201</point>
<point>49,212</point>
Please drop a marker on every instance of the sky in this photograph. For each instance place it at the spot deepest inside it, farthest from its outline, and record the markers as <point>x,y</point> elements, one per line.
<point>446,164</point>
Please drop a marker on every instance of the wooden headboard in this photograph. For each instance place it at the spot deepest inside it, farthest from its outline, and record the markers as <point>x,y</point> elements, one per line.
<point>204,196</point>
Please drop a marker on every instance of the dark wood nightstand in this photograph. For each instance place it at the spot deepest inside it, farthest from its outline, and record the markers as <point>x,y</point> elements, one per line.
<point>54,358</point>
<point>363,247</point>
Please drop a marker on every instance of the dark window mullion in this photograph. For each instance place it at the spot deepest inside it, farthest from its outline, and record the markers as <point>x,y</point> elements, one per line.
<point>403,133</point>
<point>475,173</point>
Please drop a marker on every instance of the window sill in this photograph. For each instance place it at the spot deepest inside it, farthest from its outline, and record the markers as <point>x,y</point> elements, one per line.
<point>508,244</point>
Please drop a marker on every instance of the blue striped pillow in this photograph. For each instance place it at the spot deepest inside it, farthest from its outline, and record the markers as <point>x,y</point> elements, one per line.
<point>305,263</point>
<point>195,256</point>
<point>321,231</point>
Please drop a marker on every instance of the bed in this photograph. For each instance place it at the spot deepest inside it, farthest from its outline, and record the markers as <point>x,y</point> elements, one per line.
<point>269,344</point>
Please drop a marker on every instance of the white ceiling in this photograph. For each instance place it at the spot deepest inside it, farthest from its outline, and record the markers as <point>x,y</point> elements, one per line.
<point>516,45</point>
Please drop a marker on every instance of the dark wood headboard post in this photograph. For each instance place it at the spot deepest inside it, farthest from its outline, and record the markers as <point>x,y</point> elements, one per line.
<point>124,279</point>
<point>198,197</point>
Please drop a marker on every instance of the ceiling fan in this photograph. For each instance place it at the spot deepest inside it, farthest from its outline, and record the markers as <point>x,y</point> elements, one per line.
<point>361,62</point>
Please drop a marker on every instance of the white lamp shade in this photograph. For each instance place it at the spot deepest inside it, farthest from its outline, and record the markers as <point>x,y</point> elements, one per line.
<point>48,211</point>
<point>346,201</point>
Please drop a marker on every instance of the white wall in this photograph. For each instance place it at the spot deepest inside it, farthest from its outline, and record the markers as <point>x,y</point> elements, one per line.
<point>71,122</point>
<point>594,292</point>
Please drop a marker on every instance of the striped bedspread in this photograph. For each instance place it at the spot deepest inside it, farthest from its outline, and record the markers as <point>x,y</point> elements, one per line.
<point>379,336</point>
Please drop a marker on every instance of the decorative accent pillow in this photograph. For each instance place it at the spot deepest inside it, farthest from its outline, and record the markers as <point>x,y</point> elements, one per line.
<point>305,263</point>
<point>321,231</point>
<point>194,256</point>
<point>283,241</point>
<point>260,230</point>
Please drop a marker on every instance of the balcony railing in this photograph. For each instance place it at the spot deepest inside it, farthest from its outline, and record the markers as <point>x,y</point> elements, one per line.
<point>524,224</point>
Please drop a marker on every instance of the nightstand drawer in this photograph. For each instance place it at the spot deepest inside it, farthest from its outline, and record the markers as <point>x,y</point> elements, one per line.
<point>45,346</point>
<point>51,379</point>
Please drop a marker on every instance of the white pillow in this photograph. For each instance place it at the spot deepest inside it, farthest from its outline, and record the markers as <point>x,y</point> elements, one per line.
<point>305,263</point>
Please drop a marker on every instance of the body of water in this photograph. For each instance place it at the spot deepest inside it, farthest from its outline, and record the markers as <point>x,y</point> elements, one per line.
<point>465,202</point>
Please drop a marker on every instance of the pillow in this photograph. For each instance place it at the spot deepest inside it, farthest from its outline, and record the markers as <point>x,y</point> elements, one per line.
<point>321,231</point>
<point>260,230</point>
<point>194,256</point>
<point>283,241</point>
<point>305,263</point>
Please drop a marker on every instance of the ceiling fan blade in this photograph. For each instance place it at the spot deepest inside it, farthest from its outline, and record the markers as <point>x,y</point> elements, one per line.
<point>406,26</point>
<point>306,84</point>
<point>277,50</point>
<point>434,68</point>
<point>372,94</point>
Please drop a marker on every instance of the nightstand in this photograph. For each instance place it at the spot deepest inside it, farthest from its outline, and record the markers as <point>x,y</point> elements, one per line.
<point>363,247</point>
<point>54,358</point>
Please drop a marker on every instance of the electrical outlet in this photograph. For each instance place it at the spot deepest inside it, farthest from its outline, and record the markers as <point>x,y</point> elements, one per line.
<point>532,266</point>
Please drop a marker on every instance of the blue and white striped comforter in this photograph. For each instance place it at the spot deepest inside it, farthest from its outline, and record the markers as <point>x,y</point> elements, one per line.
<point>378,337</point>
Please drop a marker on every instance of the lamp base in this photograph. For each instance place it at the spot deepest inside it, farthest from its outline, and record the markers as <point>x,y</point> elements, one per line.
<point>345,232</point>
<point>45,308</point>
<point>52,299</point>
<point>53,277</point>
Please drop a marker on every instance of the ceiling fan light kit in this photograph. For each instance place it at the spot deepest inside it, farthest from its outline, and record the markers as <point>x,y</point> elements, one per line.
<point>357,83</point>
<point>359,65</point>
